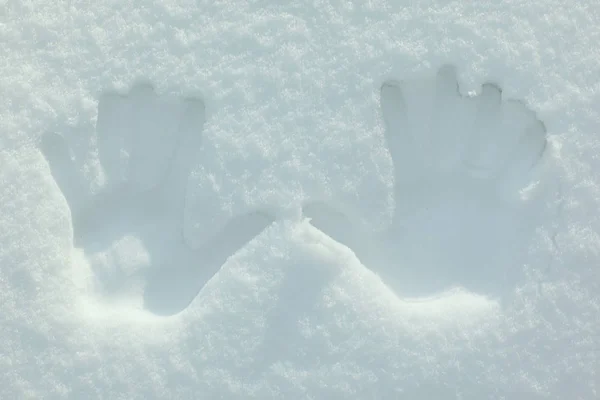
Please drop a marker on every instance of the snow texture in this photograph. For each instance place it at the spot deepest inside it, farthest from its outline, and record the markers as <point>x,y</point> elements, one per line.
<point>286,200</point>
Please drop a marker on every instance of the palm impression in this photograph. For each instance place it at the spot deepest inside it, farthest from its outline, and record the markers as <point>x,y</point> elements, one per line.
<point>131,230</point>
<point>459,162</point>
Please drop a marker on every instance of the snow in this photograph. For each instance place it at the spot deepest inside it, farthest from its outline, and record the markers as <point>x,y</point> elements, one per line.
<point>322,200</point>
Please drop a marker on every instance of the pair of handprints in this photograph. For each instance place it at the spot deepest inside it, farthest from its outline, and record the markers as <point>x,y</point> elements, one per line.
<point>458,163</point>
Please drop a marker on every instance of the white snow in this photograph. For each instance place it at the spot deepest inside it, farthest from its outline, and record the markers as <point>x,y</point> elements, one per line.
<point>312,200</point>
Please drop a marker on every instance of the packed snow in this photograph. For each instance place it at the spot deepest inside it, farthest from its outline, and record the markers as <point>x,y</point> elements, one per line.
<point>300,200</point>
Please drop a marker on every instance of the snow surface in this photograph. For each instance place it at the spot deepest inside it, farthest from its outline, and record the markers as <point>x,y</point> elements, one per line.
<point>325,200</point>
